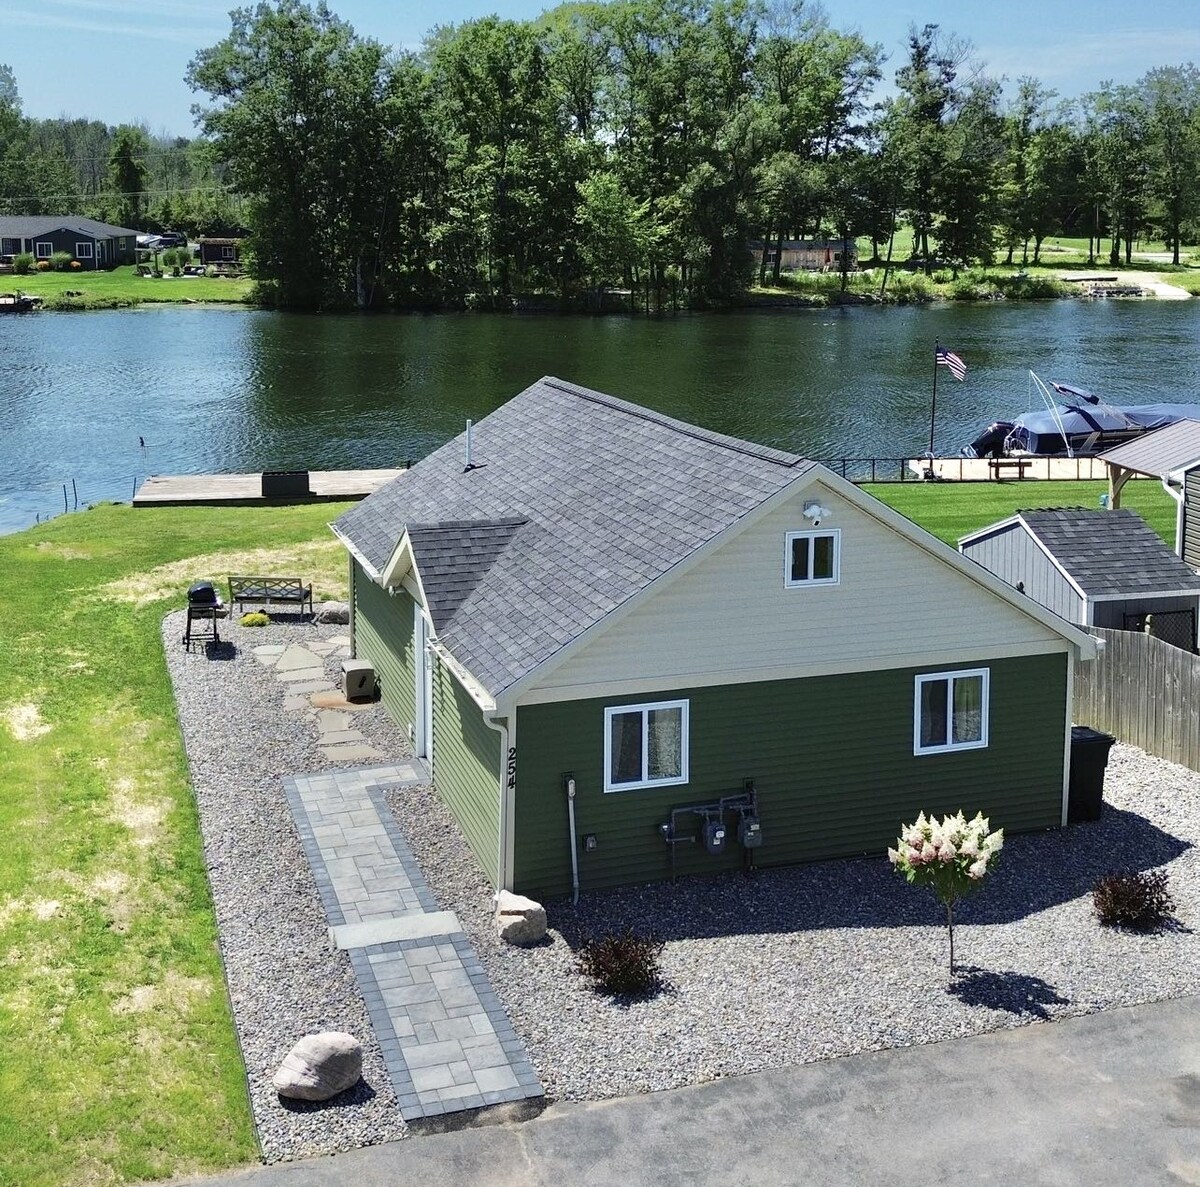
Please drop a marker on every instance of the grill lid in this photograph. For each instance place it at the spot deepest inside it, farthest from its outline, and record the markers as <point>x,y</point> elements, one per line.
<point>202,593</point>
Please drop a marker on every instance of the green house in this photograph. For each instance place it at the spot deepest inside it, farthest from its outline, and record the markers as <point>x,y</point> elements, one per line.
<point>597,623</point>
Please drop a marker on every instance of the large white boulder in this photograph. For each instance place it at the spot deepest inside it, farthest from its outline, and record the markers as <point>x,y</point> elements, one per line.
<point>320,1066</point>
<point>519,920</point>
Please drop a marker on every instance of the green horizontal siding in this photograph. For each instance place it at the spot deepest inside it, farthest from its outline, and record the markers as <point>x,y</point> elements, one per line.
<point>466,766</point>
<point>383,634</point>
<point>831,758</point>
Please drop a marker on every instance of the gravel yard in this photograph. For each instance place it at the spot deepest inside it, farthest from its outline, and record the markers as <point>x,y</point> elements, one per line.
<point>784,967</point>
<point>285,977</point>
<point>802,964</point>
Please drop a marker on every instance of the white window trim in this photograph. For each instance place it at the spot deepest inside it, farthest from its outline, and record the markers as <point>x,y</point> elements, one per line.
<point>227,252</point>
<point>960,673</point>
<point>836,535</point>
<point>672,781</point>
<point>39,253</point>
<point>84,251</point>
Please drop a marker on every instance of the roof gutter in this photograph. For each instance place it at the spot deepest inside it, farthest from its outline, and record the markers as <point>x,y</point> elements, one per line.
<point>353,550</point>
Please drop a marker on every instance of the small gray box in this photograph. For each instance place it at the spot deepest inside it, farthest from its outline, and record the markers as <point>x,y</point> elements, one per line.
<point>358,679</point>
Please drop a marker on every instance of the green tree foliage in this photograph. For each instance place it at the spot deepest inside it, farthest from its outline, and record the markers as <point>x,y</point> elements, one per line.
<point>643,145</point>
<point>127,173</point>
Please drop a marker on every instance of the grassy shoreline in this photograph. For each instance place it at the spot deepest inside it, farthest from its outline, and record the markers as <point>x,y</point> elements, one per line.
<point>122,288</point>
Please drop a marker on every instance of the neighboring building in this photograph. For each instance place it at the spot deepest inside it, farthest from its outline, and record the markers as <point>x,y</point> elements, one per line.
<point>93,244</point>
<point>220,251</point>
<point>1095,568</point>
<point>1172,455</point>
<point>809,255</point>
<point>602,597</point>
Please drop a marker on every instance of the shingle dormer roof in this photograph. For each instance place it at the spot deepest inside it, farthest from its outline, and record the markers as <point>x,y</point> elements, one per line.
<point>575,502</point>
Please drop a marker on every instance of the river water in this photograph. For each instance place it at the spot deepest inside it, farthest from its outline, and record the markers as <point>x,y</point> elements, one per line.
<point>103,399</point>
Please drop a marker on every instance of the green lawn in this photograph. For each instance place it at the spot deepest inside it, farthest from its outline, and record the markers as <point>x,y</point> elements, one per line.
<point>124,286</point>
<point>951,510</point>
<point>118,1060</point>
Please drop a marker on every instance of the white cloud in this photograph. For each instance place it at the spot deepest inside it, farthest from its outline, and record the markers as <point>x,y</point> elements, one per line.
<point>157,32</point>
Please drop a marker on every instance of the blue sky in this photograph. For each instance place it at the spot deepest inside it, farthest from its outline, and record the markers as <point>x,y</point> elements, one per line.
<point>123,60</point>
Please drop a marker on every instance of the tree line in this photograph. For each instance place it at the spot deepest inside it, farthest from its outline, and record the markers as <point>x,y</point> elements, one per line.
<point>646,145</point>
<point>124,175</point>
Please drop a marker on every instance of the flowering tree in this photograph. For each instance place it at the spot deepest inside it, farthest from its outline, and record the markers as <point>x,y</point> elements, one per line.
<point>951,856</point>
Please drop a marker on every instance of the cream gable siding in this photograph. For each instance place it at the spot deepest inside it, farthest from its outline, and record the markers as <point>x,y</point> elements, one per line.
<point>730,614</point>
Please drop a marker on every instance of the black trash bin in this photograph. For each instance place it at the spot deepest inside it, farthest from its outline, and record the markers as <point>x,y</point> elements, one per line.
<point>1089,757</point>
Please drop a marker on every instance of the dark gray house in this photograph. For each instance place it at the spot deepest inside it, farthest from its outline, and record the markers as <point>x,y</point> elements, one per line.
<point>603,626</point>
<point>220,251</point>
<point>1095,568</point>
<point>94,244</point>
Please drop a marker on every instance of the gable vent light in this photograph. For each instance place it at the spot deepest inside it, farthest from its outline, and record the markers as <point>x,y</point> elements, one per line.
<point>814,513</point>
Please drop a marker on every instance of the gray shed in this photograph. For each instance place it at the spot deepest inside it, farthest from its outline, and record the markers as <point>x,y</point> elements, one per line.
<point>1094,568</point>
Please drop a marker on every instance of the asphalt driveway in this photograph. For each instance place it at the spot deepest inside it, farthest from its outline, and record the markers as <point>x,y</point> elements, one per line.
<point>1112,1098</point>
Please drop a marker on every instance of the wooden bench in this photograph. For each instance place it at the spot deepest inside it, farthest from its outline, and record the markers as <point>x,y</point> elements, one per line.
<point>998,464</point>
<point>270,591</point>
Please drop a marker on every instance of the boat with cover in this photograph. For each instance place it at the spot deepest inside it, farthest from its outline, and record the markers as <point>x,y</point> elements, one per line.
<point>1074,423</point>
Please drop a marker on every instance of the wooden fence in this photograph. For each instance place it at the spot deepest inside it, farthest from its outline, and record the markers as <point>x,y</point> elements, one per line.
<point>1145,692</point>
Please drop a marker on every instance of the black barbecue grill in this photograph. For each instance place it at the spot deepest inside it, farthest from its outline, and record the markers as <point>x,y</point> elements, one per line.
<point>203,607</point>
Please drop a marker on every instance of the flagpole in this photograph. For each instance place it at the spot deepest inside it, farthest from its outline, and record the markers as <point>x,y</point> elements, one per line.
<point>933,402</point>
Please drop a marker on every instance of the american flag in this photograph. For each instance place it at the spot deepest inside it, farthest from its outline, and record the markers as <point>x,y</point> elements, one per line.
<point>947,358</point>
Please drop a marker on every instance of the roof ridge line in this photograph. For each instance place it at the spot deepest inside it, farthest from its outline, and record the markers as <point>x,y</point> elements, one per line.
<point>510,521</point>
<point>766,453</point>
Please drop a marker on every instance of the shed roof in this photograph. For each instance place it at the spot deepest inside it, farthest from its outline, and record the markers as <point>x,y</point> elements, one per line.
<point>26,226</point>
<point>1160,452</point>
<point>1107,554</point>
<point>574,503</point>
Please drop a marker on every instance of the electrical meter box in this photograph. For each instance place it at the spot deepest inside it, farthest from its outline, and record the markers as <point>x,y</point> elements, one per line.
<point>750,832</point>
<point>358,679</point>
<point>714,836</point>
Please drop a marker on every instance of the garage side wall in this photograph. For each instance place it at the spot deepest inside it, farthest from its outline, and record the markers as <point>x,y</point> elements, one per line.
<point>466,766</point>
<point>831,758</point>
<point>383,634</point>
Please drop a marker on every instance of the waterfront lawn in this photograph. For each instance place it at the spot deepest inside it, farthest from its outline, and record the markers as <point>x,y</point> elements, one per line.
<point>123,286</point>
<point>119,1056</point>
<point>951,510</point>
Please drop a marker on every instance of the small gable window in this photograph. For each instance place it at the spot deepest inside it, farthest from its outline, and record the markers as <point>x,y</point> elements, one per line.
<point>950,711</point>
<point>645,745</point>
<point>812,558</point>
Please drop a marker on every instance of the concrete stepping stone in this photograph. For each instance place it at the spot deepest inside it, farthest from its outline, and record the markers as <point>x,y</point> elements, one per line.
<point>322,647</point>
<point>340,640</point>
<point>337,737</point>
<point>269,653</point>
<point>336,699</point>
<point>301,674</point>
<point>332,720</point>
<point>353,752</point>
<point>296,657</point>
<point>298,703</point>
<point>310,688</point>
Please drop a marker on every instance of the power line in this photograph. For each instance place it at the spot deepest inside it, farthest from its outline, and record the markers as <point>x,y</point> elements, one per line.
<point>222,191</point>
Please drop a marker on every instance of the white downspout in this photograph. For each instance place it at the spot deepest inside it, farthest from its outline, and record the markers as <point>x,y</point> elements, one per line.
<point>574,846</point>
<point>504,880</point>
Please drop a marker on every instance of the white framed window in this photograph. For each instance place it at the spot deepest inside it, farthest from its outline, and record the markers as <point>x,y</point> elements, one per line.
<point>812,558</point>
<point>83,251</point>
<point>227,253</point>
<point>950,711</point>
<point>43,250</point>
<point>645,745</point>
<point>123,243</point>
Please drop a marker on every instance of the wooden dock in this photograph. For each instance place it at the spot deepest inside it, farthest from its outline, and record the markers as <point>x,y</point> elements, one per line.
<point>962,469</point>
<point>245,490</point>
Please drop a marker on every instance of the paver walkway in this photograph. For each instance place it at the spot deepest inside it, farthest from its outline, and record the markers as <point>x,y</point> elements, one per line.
<point>446,1040</point>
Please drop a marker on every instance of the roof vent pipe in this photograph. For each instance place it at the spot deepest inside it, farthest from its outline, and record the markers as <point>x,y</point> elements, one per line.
<point>470,464</point>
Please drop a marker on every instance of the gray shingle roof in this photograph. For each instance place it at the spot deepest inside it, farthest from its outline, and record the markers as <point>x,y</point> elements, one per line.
<point>1110,553</point>
<point>576,501</point>
<point>1160,452</point>
<point>27,226</point>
